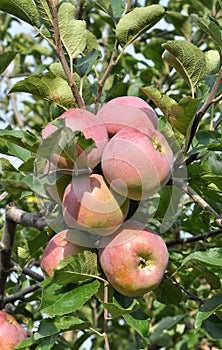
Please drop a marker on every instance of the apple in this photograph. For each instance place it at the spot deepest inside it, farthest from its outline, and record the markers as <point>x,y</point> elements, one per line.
<point>92,127</point>
<point>133,259</point>
<point>11,332</point>
<point>88,203</point>
<point>137,162</point>
<point>127,111</point>
<point>59,248</point>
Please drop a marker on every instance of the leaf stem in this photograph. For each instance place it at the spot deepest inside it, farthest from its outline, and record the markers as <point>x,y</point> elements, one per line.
<point>59,49</point>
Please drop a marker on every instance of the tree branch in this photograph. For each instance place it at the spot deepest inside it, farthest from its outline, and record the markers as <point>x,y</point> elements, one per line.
<point>6,246</point>
<point>14,103</point>
<point>75,91</point>
<point>101,82</point>
<point>105,316</point>
<point>20,295</point>
<point>24,218</point>
<point>36,276</point>
<point>199,200</point>
<point>200,237</point>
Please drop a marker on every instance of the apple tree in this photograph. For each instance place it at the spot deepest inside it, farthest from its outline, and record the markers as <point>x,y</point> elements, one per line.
<point>85,58</point>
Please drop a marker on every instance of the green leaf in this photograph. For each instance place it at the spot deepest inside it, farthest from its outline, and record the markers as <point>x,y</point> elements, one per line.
<point>91,43</point>
<point>117,6</point>
<point>210,307</point>
<point>84,64</point>
<point>61,300</point>
<point>159,334</point>
<point>181,23</point>
<point>212,58</point>
<point>28,165</point>
<point>45,14</point>
<point>73,32</point>
<point>5,59</point>
<point>136,22</point>
<point>213,326</point>
<point>49,87</point>
<point>47,343</point>
<point>49,327</point>
<point>14,186</point>
<point>6,166</point>
<point>179,114</point>
<point>209,26</point>
<point>114,8</point>
<point>103,5</point>
<point>76,268</point>
<point>117,310</point>
<point>187,59</point>
<point>168,292</point>
<point>210,257</point>
<point>24,139</point>
<point>23,9</point>
<point>140,326</point>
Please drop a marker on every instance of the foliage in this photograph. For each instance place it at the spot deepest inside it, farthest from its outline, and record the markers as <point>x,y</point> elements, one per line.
<point>171,57</point>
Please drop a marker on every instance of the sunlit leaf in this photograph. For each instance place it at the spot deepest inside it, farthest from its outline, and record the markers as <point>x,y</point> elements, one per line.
<point>136,22</point>
<point>61,300</point>
<point>140,326</point>
<point>210,257</point>
<point>44,12</point>
<point>24,139</point>
<point>212,58</point>
<point>210,26</point>
<point>179,114</point>
<point>78,267</point>
<point>5,165</point>
<point>49,87</point>
<point>187,59</point>
<point>52,326</point>
<point>117,310</point>
<point>23,9</point>
<point>73,32</point>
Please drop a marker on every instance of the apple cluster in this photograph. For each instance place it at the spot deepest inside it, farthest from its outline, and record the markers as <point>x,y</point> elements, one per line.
<point>11,332</point>
<point>130,162</point>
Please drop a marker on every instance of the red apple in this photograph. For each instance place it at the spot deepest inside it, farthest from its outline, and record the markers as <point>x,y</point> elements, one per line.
<point>59,248</point>
<point>137,162</point>
<point>88,203</point>
<point>11,332</point>
<point>133,259</point>
<point>81,120</point>
<point>127,111</point>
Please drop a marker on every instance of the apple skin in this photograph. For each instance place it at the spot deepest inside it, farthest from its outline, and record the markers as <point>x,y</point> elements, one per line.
<point>58,249</point>
<point>127,111</point>
<point>11,332</point>
<point>89,204</point>
<point>133,259</point>
<point>137,162</point>
<point>92,127</point>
